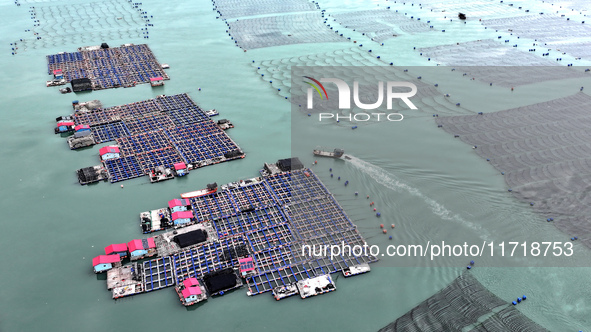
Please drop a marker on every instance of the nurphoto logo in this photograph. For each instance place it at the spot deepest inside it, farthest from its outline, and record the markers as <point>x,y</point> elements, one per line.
<point>344,98</point>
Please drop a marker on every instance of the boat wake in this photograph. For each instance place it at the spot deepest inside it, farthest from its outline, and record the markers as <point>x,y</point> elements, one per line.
<point>390,181</point>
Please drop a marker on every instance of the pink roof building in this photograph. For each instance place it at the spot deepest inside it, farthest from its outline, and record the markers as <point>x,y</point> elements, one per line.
<point>178,202</point>
<point>182,215</point>
<point>80,127</point>
<point>116,248</point>
<point>105,259</point>
<point>189,291</point>
<point>108,149</point>
<point>246,264</point>
<point>145,244</point>
<point>179,166</point>
<point>190,282</point>
<point>154,79</point>
<point>57,71</point>
<point>65,123</point>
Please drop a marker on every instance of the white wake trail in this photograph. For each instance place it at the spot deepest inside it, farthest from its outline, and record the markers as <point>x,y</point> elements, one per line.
<point>390,181</point>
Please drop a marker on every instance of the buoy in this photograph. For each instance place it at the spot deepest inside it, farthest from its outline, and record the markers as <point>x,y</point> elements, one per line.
<point>374,210</point>
<point>518,300</point>
<point>384,231</point>
<point>514,303</point>
<point>378,214</point>
<point>121,186</point>
<point>468,267</point>
<point>510,190</point>
<point>531,203</point>
<point>392,225</point>
<point>367,197</point>
<point>471,262</point>
<point>356,193</point>
<point>339,178</point>
<point>331,175</point>
<point>330,169</point>
<point>390,237</point>
<point>524,297</point>
<point>381,225</point>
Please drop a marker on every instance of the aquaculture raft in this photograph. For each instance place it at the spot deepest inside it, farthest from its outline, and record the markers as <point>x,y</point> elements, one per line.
<point>262,223</point>
<point>105,68</point>
<point>155,135</point>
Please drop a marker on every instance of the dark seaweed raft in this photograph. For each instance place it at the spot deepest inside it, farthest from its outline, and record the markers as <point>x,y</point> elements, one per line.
<point>544,153</point>
<point>107,68</point>
<point>158,132</point>
<point>458,307</point>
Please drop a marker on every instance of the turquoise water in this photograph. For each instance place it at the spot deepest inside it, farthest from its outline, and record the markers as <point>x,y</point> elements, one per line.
<point>422,180</point>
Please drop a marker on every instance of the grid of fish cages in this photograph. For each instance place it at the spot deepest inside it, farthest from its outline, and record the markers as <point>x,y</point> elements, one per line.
<point>327,264</point>
<point>248,221</point>
<point>270,237</point>
<point>144,142</point>
<point>253,196</point>
<point>213,206</point>
<point>296,186</point>
<point>166,157</point>
<point>139,109</point>
<point>206,150</point>
<point>109,132</point>
<point>283,276</point>
<point>158,273</point>
<point>125,168</point>
<point>113,67</point>
<point>194,131</point>
<point>97,117</point>
<point>187,116</point>
<point>175,102</point>
<point>316,217</point>
<point>70,64</point>
<point>278,257</point>
<point>208,257</point>
<point>148,123</point>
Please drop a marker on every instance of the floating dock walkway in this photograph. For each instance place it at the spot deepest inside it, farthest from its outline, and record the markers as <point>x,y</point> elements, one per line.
<point>256,228</point>
<point>153,137</point>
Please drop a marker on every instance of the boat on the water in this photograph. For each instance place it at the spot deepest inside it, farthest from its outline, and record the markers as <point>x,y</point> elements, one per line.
<point>336,153</point>
<point>211,188</point>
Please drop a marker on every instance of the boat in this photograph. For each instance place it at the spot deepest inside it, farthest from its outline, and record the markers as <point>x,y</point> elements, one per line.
<point>212,112</point>
<point>211,188</point>
<point>337,153</point>
<point>356,269</point>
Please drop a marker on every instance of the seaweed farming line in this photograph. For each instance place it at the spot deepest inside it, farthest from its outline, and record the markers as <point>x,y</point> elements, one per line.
<point>163,138</point>
<point>55,25</point>
<point>249,232</point>
<point>542,159</point>
<point>465,304</point>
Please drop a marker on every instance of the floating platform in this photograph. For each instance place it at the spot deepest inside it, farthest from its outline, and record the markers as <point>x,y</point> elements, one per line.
<point>315,286</point>
<point>281,292</point>
<point>255,229</point>
<point>92,174</point>
<point>153,136</point>
<point>356,269</point>
<point>98,68</point>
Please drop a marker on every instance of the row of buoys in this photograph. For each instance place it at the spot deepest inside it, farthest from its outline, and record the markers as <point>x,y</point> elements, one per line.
<point>519,299</point>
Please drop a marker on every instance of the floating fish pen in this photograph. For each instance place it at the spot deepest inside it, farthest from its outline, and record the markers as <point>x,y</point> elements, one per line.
<point>105,68</point>
<point>155,137</point>
<point>251,232</point>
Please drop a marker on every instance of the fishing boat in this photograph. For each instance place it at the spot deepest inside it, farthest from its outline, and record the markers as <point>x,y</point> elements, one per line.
<point>336,153</point>
<point>211,188</point>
